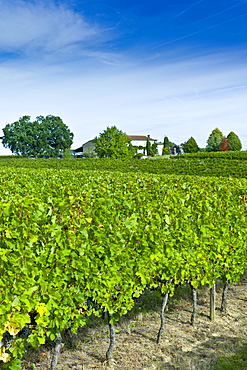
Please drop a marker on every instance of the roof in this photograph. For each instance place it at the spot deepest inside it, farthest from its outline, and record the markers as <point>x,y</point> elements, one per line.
<point>78,150</point>
<point>139,137</point>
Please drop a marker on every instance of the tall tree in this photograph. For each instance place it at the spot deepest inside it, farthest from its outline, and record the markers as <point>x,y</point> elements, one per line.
<point>113,143</point>
<point>47,135</point>
<point>214,140</point>
<point>234,141</point>
<point>148,147</point>
<point>166,146</point>
<point>166,142</point>
<point>190,146</point>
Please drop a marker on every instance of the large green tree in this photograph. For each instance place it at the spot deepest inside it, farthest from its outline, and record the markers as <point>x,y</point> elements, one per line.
<point>214,140</point>
<point>234,141</point>
<point>45,136</point>
<point>190,146</point>
<point>113,143</point>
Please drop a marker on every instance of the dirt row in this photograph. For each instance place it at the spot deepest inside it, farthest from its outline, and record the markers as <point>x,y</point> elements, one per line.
<point>182,346</point>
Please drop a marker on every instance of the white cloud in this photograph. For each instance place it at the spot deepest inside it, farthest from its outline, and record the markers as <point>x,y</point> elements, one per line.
<point>43,27</point>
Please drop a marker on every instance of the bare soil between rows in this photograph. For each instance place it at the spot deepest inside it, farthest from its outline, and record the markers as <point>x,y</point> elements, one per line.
<point>182,347</point>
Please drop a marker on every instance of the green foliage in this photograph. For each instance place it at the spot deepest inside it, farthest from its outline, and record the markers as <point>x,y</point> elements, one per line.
<point>223,164</point>
<point>190,146</point>
<point>69,235</point>
<point>153,149</point>
<point>234,141</point>
<point>166,146</point>
<point>133,149</point>
<point>166,142</point>
<point>148,147</point>
<point>217,156</point>
<point>67,154</point>
<point>235,362</point>
<point>166,151</point>
<point>214,140</point>
<point>12,365</point>
<point>113,143</point>
<point>45,136</point>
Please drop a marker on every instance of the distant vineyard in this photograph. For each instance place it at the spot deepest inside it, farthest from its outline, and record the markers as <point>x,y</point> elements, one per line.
<point>218,164</point>
<point>238,155</point>
<point>70,236</point>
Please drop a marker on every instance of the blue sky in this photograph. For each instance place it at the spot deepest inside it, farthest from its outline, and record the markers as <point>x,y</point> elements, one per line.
<point>165,68</point>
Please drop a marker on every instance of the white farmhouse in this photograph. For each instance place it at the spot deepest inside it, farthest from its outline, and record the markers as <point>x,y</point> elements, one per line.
<point>138,141</point>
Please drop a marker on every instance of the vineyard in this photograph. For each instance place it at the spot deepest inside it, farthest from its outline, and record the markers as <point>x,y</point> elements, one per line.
<point>83,239</point>
<point>219,164</point>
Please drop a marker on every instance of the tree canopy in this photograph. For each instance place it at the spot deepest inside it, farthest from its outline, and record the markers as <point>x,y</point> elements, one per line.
<point>45,136</point>
<point>190,146</point>
<point>217,141</point>
<point>113,143</point>
<point>234,141</point>
<point>214,140</point>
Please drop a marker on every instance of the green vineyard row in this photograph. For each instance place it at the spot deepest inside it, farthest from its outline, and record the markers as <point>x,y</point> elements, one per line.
<point>67,236</point>
<point>193,164</point>
<point>238,155</point>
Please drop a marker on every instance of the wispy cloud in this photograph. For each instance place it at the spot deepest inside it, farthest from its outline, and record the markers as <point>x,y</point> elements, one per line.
<point>225,10</point>
<point>186,9</point>
<point>39,27</point>
<point>199,31</point>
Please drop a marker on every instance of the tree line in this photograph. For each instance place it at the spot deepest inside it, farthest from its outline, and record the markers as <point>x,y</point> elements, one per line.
<point>51,137</point>
<point>216,142</point>
<point>114,143</point>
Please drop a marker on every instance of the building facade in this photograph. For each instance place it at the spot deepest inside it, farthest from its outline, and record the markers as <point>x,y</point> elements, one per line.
<point>138,141</point>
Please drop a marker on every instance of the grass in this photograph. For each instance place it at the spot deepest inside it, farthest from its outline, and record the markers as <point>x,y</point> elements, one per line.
<point>238,361</point>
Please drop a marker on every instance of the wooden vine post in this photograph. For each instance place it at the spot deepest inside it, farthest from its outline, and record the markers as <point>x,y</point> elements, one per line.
<point>224,297</point>
<point>162,318</point>
<point>58,344</point>
<point>109,353</point>
<point>212,303</point>
<point>194,299</point>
